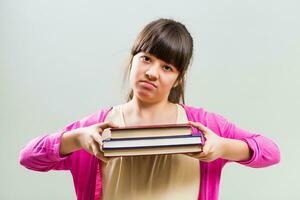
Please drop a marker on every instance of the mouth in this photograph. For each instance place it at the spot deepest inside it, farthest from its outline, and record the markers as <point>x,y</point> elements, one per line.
<point>149,84</point>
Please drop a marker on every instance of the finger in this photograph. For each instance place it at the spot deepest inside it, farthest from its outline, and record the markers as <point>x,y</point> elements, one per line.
<point>193,155</point>
<point>95,151</point>
<point>198,156</point>
<point>106,134</point>
<point>97,137</point>
<point>204,159</point>
<point>106,159</point>
<point>206,148</point>
<point>208,158</point>
<point>98,153</point>
<point>204,156</point>
<point>198,125</point>
<point>100,140</point>
<point>110,158</point>
<point>109,124</point>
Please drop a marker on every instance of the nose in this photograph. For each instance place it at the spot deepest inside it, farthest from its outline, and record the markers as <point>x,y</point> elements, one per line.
<point>152,73</point>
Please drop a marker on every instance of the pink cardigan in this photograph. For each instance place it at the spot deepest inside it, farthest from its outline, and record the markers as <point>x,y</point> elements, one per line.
<point>42,154</point>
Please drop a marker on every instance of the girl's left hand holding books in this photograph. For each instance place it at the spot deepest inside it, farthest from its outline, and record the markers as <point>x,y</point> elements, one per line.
<point>213,146</point>
<point>219,147</point>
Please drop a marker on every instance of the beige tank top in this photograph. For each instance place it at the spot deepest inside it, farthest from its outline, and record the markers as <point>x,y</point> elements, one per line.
<point>159,177</point>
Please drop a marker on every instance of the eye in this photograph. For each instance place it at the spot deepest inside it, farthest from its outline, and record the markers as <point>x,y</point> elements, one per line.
<point>146,59</point>
<point>168,68</point>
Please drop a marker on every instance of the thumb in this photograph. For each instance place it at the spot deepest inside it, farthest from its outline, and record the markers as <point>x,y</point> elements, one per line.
<point>199,126</point>
<point>105,125</point>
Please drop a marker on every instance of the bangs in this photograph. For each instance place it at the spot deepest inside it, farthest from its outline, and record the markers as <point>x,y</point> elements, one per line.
<point>166,43</point>
<point>169,41</point>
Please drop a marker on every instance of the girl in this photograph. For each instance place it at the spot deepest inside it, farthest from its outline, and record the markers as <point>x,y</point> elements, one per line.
<point>158,63</point>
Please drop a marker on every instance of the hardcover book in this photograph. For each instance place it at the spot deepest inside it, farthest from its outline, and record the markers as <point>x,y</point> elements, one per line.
<point>151,140</point>
<point>153,151</point>
<point>150,131</point>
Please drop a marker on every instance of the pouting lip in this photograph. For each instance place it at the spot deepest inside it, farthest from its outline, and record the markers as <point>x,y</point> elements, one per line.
<point>149,83</point>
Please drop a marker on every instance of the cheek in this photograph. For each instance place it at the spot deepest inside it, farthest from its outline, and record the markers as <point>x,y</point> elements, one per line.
<point>133,76</point>
<point>169,83</point>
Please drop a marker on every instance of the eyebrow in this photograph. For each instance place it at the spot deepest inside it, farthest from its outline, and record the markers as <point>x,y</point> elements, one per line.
<point>165,63</point>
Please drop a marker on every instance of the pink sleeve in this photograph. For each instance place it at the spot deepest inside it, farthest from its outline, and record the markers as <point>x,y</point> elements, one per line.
<point>42,153</point>
<point>264,151</point>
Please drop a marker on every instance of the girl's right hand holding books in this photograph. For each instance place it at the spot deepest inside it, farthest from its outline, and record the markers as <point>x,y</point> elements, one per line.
<point>87,138</point>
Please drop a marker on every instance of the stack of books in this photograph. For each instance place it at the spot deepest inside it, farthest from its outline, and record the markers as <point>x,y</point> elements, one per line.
<point>152,140</point>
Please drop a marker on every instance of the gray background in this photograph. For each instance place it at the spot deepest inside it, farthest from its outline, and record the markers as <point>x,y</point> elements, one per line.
<point>63,60</point>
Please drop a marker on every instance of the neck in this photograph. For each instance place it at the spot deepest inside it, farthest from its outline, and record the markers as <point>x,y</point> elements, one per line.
<point>145,109</point>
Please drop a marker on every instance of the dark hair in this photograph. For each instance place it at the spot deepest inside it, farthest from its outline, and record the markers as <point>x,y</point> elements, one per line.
<point>169,41</point>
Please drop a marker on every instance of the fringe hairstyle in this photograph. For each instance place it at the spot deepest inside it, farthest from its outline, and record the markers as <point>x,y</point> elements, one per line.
<point>169,41</point>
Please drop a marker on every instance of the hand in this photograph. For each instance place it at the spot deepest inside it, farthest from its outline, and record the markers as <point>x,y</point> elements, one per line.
<point>90,139</point>
<point>213,146</point>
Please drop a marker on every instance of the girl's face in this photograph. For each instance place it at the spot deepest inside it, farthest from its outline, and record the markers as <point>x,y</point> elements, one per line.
<point>151,78</point>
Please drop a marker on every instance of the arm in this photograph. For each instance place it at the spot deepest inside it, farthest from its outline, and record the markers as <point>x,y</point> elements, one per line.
<point>264,151</point>
<point>69,142</point>
<point>216,147</point>
<point>88,138</point>
<point>235,150</point>
<point>225,140</point>
<point>42,154</point>
<point>47,152</point>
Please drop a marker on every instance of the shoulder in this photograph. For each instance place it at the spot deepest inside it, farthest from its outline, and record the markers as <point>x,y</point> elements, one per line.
<point>194,112</point>
<point>100,114</point>
<point>96,117</point>
<point>209,119</point>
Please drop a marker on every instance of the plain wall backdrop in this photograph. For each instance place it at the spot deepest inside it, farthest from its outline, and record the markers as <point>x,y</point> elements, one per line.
<point>63,60</point>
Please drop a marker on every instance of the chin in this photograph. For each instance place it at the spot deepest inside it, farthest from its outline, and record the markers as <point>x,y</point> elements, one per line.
<point>144,96</point>
<point>147,99</point>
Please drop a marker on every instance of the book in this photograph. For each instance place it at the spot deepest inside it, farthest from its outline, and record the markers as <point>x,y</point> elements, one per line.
<point>151,142</point>
<point>151,146</point>
<point>150,131</point>
<point>153,151</point>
